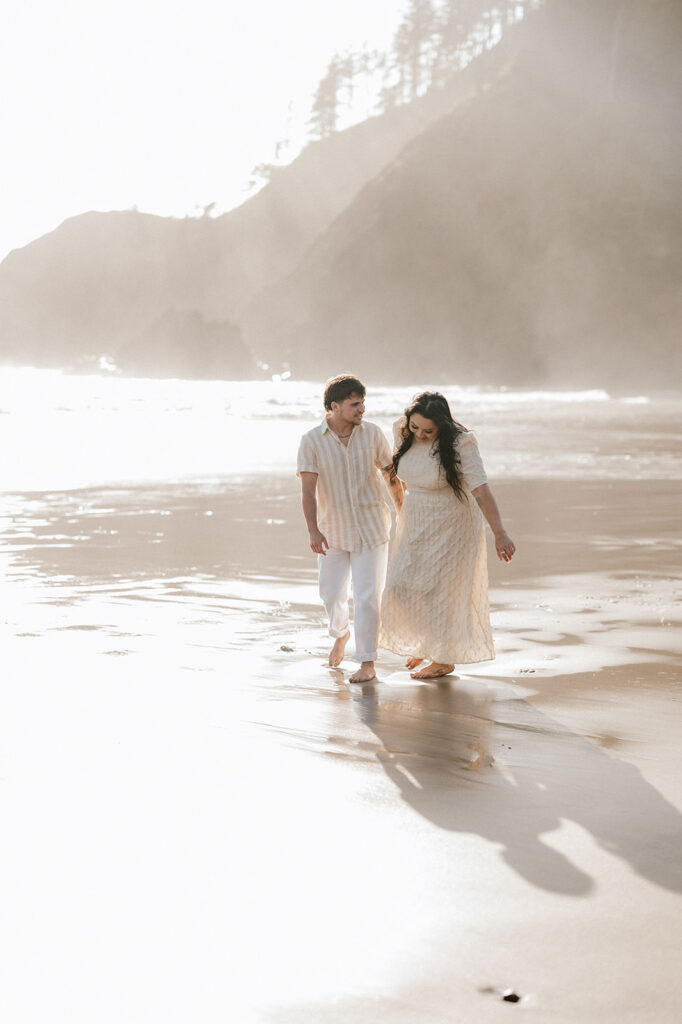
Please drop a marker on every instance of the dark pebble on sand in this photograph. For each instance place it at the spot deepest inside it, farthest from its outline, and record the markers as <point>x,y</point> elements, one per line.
<point>510,996</point>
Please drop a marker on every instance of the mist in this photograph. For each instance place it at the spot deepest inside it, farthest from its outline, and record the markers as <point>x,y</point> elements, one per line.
<point>509,211</point>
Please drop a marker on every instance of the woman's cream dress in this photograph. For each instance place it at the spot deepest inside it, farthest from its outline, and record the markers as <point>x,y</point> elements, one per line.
<point>435,604</point>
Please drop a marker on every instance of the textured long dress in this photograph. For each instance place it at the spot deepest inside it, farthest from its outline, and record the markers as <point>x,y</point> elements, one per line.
<point>435,604</point>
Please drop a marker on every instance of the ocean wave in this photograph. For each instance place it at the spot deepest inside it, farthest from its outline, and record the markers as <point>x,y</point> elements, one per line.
<point>64,431</point>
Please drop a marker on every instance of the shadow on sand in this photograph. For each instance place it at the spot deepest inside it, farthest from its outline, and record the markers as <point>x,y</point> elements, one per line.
<point>484,761</point>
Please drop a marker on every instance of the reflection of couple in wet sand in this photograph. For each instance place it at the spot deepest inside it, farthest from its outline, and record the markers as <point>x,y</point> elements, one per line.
<point>435,593</point>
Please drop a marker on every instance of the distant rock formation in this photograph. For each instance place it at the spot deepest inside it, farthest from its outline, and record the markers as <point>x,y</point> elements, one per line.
<point>100,279</point>
<point>532,235</point>
<point>182,344</point>
<point>520,225</point>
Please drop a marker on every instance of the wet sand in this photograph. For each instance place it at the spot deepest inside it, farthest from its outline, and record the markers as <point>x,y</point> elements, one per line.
<point>205,823</point>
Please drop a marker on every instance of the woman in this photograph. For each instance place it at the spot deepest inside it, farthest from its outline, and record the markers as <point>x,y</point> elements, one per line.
<point>435,604</point>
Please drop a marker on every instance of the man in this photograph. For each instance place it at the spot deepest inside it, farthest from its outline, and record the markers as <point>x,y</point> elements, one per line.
<point>340,464</point>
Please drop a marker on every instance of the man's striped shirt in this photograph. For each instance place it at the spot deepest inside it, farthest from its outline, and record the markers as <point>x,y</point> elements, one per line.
<point>353,513</point>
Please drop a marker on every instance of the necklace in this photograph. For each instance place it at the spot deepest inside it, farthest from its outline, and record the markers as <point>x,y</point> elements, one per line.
<point>334,431</point>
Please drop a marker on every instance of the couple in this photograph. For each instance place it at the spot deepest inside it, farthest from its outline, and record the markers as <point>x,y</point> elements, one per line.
<point>435,596</point>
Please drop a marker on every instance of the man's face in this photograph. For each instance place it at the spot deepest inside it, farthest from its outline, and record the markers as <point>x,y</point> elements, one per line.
<point>351,410</point>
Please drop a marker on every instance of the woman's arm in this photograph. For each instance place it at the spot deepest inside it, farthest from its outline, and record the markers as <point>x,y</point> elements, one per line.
<point>504,545</point>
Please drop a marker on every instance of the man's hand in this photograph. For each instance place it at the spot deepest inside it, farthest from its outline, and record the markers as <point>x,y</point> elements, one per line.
<point>318,542</point>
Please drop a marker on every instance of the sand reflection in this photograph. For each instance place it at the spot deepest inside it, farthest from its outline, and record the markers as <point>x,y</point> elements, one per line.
<point>472,757</point>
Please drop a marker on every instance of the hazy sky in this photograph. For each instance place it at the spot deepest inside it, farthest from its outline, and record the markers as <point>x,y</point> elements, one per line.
<point>160,105</point>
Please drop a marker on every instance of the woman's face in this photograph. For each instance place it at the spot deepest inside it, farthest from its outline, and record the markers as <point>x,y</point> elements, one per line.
<point>423,429</point>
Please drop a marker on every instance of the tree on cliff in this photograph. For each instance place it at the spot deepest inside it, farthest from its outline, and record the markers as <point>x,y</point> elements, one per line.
<point>413,48</point>
<point>434,40</point>
<point>326,101</point>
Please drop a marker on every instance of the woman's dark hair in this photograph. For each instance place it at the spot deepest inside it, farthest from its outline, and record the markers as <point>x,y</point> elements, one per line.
<point>338,389</point>
<point>434,406</point>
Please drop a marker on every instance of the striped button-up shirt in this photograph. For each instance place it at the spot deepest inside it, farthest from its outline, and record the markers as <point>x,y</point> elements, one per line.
<point>353,513</point>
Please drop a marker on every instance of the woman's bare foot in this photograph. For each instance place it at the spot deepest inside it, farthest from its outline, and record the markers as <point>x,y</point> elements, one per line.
<point>364,674</point>
<point>433,671</point>
<point>413,662</point>
<point>338,650</point>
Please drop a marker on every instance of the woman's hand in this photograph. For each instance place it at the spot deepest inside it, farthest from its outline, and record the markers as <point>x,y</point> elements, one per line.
<point>486,502</point>
<point>504,546</point>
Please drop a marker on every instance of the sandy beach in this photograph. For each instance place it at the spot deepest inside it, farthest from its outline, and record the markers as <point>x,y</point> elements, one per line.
<point>220,220</point>
<point>203,822</point>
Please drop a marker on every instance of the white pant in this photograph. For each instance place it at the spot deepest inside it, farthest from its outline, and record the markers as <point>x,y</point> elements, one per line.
<point>368,572</point>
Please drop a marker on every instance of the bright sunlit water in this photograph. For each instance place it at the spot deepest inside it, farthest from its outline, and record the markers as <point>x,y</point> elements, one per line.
<point>59,431</point>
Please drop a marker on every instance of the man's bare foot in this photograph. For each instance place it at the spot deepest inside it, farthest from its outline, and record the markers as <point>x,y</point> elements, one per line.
<point>413,662</point>
<point>364,674</point>
<point>433,671</point>
<point>338,650</point>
